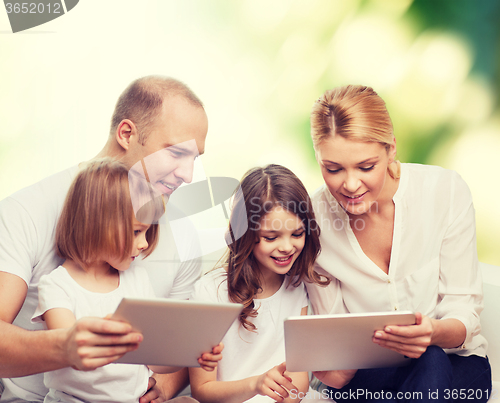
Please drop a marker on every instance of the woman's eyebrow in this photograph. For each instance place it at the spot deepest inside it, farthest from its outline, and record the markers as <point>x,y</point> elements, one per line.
<point>372,159</point>
<point>358,163</point>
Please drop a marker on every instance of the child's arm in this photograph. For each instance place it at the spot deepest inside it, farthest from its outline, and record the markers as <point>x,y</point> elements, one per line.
<point>59,318</point>
<point>206,389</point>
<point>208,361</point>
<point>292,386</point>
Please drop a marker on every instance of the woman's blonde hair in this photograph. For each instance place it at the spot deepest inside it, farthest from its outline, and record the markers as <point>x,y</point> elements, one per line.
<point>354,112</point>
<point>97,217</point>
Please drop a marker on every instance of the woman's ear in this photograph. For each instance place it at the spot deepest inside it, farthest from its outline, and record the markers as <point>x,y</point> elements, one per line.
<point>392,151</point>
<point>316,154</point>
<point>126,129</point>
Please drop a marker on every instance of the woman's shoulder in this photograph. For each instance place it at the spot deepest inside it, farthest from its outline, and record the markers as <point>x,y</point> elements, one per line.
<point>434,188</point>
<point>427,171</point>
<point>432,176</point>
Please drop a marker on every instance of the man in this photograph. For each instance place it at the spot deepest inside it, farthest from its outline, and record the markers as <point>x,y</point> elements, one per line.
<point>153,115</point>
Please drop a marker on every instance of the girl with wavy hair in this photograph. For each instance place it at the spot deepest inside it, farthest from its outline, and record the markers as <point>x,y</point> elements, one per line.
<point>265,270</point>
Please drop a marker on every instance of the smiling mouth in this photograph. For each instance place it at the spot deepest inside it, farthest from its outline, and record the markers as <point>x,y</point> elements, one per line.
<point>166,188</point>
<point>355,197</point>
<point>283,261</point>
<point>169,186</point>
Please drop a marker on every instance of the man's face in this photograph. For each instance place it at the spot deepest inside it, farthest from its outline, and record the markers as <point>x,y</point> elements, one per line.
<point>166,160</point>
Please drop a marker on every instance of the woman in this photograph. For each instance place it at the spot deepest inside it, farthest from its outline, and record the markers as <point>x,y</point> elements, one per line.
<point>397,237</point>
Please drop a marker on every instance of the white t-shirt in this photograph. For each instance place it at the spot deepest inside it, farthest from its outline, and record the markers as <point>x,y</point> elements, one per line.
<point>248,353</point>
<point>433,267</point>
<point>27,227</point>
<point>120,383</point>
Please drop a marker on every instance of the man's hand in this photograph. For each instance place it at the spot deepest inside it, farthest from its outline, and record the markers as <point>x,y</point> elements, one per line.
<point>93,342</point>
<point>153,394</point>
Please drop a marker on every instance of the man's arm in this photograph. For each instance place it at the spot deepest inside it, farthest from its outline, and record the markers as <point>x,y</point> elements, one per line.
<point>88,344</point>
<point>15,342</point>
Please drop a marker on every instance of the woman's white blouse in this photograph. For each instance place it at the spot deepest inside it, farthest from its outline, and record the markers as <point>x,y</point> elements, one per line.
<point>433,267</point>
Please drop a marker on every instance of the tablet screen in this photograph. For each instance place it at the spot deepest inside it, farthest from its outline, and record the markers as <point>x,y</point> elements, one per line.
<point>176,332</point>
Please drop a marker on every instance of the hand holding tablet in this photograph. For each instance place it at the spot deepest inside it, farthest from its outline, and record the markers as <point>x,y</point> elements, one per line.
<point>176,332</point>
<point>411,341</point>
<point>341,341</point>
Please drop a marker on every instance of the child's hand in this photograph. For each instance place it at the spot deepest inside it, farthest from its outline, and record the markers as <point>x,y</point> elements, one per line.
<point>274,382</point>
<point>209,361</point>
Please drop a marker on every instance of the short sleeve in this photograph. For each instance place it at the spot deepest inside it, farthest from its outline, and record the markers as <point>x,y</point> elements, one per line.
<point>17,240</point>
<point>51,294</point>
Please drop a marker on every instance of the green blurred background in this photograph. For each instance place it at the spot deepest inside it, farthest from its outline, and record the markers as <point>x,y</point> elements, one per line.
<point>258,66</point>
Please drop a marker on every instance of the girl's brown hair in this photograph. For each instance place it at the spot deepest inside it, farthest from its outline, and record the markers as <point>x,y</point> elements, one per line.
<point>97,217</point>
<point>354,112</point>
<point>263,189</point>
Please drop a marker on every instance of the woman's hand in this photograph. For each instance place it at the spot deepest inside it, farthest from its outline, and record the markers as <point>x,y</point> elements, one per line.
<point>411,340</point>
<point>209,361</point>
<point>274,383</point>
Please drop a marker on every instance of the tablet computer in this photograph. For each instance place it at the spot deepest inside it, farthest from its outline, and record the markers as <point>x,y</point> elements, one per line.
<point>176,332</point>
<point>329,342</point>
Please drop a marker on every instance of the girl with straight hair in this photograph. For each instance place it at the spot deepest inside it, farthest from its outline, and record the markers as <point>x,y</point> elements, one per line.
<point>100,236</point>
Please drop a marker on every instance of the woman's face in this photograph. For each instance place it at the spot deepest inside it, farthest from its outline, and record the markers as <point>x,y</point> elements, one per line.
<point>355,172</point>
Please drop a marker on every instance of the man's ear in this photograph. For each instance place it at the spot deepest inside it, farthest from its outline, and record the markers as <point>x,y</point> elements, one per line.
<point>125,132</point>
<point>392,151</point>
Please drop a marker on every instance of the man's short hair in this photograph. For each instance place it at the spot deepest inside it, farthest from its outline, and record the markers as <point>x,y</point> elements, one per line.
<point>142,101</point>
